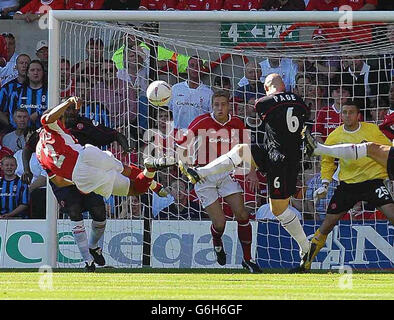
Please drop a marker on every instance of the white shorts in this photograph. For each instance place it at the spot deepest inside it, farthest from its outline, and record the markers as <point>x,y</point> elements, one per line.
<point>100,172</point>
<point>215,186</point>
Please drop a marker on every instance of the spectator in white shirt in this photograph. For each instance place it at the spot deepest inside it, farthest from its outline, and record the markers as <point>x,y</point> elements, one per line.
<point>9,72</point>
<point>190,98</point>
<point>15,140</point>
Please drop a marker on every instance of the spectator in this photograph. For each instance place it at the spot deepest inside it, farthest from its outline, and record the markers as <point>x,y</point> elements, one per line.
<point>32,95</point>
<point>275,64</point>
<point>356,5</point>
<point>190,98</point>
<point>7,90</point>
<point>4,151</point>
<point>118,97</point>
<point>37,183</point>
<point>131,208</point>
<point>181,208</point>
<point>91,67</point>
<point>283,5</point>
<point>379,109</point>
<point>84,4</point>
<point>222,83</point>
<point>35,9</point>
<point>242,5</point>
<point>8,8</point>
<point>158,4</point>
<point>42,54</point>
<point>358,74</point>
<point>14,193</point>
<point>3,52</point>
<point>121,5</point>
<point>323,5</point>
<point>9,72</point>
<point>16,139</point>
<point>91,109</point>
<point>250,85</point>
<point>200,5</point>
<point>67,83</point>
<point>329,117</point>
<point>134,67</point>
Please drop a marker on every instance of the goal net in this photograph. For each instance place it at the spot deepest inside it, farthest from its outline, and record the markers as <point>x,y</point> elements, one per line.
<point>110,65</point>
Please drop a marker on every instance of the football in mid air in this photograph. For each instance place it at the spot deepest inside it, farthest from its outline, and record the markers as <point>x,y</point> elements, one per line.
<point>159,93</point>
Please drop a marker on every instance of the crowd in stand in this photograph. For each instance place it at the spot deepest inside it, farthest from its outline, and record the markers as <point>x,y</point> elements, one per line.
<point>113,89</point>
<point>31,10</point>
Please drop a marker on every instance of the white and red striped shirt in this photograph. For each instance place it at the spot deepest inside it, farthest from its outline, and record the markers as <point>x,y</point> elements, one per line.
<point>57,150</point>
<point>213,137</point>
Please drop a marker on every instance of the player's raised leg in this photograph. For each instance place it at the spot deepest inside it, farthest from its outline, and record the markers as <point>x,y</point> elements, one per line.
<point>225,163</point>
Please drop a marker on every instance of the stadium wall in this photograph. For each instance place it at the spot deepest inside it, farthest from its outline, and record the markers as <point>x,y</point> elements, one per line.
<point>184,245</point>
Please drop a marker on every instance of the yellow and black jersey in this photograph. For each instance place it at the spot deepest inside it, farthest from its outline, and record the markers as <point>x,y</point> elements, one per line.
<point>355,171</point>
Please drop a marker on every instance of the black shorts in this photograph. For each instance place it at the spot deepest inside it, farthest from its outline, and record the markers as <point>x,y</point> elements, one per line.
<point>67,196</point>
<point>390,164</point>
<point>281,173</point>
<point>348,194</point>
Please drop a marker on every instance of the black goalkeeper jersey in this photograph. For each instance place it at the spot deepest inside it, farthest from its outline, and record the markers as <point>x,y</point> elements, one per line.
<point>284,116</point>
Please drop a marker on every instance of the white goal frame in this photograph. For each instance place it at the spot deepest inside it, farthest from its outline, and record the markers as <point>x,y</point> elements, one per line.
<point>56,16</point>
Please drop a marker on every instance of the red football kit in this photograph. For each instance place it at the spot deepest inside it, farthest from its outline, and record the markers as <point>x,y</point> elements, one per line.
<point>213,137</point>
<point>84,4</point>
<point>57,150</point>
<point>158,4</point>
<point>241,5</point>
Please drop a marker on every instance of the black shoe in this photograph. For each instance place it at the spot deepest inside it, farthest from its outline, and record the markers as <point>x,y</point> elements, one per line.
<point>159,163</point>
<point>97,256</point>
<point>309,142</point>
<point>220,255</point>
<point>90,267</point>
<point>189,172</point>
<point>251,266</point>
<point>306,260</point>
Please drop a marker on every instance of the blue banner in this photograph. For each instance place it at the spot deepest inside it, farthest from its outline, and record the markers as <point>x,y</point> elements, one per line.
<point>358,244</point>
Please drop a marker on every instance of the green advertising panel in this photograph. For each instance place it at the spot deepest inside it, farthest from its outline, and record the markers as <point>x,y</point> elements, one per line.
<point>233,34</point>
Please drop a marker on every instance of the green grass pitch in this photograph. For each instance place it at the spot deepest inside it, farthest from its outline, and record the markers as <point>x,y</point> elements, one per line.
<point>194,284</point>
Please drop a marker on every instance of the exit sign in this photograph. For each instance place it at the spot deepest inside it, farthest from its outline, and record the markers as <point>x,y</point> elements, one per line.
<point>233,34</point>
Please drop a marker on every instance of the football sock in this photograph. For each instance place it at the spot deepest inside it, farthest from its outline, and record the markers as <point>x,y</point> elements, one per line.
<point>226,162</point>
<point>245,237</point>
<point>155,186</point>
<point>343,151</point>
<point>98,228</point>
<point>320,240</point>
<point>292,225</point>
<point>216,237</point>
<point>81,238</point>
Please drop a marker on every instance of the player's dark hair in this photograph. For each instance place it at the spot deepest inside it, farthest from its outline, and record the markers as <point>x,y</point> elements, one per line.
<point>358,103</point>
<point>44,78</point>
<point>20,110</point>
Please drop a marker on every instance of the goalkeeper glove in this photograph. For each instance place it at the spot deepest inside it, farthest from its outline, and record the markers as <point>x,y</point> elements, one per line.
<point>320,192</point>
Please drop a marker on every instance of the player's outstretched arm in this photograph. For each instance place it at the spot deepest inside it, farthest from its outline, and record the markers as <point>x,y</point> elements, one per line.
<point>55,113</point>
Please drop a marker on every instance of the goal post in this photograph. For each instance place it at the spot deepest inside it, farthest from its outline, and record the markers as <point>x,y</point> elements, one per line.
<point>235,39</point>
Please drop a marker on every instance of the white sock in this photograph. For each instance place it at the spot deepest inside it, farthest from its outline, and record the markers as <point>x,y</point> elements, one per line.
<point>226,162</point>
<point>343,151</point>
<point>292,225</point>
<point>149,174</point>
<point>81,238</point>
<point>98,228</point>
